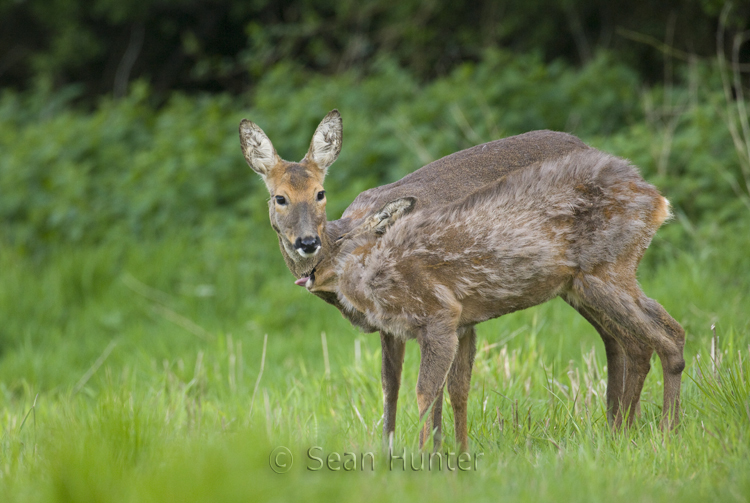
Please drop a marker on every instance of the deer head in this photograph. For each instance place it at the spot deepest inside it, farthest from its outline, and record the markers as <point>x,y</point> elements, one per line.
<point>298,200</point>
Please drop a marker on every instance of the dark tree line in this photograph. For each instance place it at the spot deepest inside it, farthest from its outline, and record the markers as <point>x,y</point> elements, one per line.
<point>225,45</point>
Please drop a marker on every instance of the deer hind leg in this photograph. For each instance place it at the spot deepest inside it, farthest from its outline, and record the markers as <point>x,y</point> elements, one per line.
<point>623,302</point>
<point>639,365</point>
<point>459,381</point>
<point>616,364</point>
<point>437,420</point>
<point>438,348</point>
<point>627,366</point>
<point>390,373</point>
<point>673,362</point>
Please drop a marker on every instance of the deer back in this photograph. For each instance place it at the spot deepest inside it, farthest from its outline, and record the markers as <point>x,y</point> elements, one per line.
<point>457,175</point>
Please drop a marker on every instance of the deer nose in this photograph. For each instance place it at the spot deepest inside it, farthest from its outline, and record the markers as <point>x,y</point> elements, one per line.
<point>307,246</point>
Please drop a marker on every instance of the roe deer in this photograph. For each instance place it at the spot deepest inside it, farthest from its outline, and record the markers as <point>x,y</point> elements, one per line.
<point>475,235</point>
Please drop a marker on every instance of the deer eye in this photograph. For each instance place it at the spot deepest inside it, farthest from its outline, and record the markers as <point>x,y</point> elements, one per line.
<point>281,200</point>
<point>321,195</point>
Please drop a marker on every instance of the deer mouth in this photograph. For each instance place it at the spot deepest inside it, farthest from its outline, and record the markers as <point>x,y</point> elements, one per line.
<point>306,281</point>
<point>308,254</point>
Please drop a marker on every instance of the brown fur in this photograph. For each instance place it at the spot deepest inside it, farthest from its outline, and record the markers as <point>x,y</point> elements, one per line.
<point>488,231</point>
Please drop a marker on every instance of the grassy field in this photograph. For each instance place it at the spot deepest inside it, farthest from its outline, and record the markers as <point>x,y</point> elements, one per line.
<point>136,371</point>
<point>153,346</point>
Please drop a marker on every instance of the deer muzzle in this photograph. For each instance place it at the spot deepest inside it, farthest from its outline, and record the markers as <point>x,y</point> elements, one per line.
<point>307,246</point>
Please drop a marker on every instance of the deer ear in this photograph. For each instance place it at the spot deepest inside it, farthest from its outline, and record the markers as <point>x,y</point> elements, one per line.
<point>257,148</point>
<point>391,212</point>
<point>326,142</point>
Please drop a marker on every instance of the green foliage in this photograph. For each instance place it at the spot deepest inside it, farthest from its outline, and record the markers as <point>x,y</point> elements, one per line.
<point>227,45</point>
<point>131,168</point>
<point>126,168</point>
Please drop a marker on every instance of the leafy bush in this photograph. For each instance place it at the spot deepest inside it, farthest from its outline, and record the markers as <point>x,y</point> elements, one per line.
<point>224,45</point>
<point>130,167</point>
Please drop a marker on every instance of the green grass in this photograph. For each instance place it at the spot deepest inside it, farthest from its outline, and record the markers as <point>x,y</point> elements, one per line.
<point>127,373</point>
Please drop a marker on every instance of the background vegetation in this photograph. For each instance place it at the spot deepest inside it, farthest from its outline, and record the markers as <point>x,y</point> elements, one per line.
<point>227,45</point>
<point>152,344</point>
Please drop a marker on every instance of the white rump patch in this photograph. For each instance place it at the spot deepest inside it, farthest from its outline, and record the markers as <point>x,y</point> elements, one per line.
<point>664,212</point>
<point>669,208</point>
